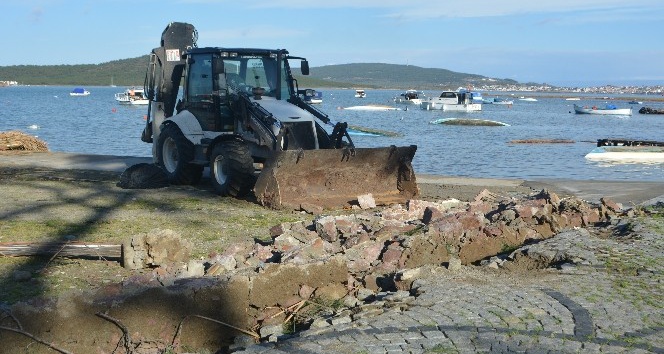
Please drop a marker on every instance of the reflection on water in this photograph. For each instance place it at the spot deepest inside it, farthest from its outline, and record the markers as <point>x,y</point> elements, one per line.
<point>96,124</point>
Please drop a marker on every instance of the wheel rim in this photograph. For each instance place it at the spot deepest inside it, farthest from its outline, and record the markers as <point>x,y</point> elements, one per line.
<point>170,155</point>
<point>218,170</point>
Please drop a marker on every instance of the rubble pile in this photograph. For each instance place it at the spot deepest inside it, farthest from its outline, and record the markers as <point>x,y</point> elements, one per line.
<point>422,233</point>
<point>334,256</point>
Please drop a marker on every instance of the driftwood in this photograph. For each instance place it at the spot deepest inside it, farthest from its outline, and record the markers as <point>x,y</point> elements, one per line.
<point>61,249</point>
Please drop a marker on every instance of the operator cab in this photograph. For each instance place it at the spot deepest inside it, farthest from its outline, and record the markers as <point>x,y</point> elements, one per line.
<point>216,74</point>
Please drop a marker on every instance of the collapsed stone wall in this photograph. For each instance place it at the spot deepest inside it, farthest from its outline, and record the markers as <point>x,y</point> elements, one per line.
<point>259,286</point>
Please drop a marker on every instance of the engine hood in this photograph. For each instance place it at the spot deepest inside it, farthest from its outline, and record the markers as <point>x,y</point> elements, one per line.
<point>284,111</point>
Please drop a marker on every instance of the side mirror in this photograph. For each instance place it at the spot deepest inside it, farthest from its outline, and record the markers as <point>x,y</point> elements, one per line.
<point>304,67</point>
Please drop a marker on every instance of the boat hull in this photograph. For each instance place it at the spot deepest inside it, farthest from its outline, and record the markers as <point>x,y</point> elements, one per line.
<point>627,154</point>
<point>614,112</point>
<point>432,105</point>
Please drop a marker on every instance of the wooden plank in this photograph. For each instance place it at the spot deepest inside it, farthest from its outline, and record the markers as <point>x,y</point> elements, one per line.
<point>61,249</point>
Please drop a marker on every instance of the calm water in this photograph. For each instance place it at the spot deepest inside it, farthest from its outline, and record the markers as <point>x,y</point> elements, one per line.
<point>96,124</point>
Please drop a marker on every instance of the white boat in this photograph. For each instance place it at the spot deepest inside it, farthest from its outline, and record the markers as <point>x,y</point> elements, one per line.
<point>573,99</point>
<point>505,101</point>
<point>528,99</point>
<point>628,154</point>
<point>132,96</point>
<point>452,101</point>
<point>360,94</point>
<point>313,97</point>
<point>609,109</point>
<point>79,92</point>
<point>410,97</point>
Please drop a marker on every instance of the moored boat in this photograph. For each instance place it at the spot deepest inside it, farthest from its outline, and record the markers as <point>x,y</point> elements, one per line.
<point>411,97</point>
<point>452,101</point>
<point>313,97</point>
<point>360,94</point>
<point>627,154</point>
<point>499,100</point>
<point>627,151</point>
<point>132,96</point>
<point>609,109</point>
<point>79,91</point>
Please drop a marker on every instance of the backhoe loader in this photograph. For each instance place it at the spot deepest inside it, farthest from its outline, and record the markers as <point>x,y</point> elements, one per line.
<point>240,112</point>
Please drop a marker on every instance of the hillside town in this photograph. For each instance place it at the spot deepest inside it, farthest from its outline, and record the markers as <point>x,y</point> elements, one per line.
<point>657,90</point>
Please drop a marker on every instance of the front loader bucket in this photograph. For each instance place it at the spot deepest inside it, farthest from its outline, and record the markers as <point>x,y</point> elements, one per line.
<point>334,178</point>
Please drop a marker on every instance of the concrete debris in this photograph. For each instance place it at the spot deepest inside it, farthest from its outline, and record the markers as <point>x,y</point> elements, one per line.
<point>156,248</point>
<point>379,255</point>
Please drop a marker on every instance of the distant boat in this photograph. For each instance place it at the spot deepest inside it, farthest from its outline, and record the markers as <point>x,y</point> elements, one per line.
<point>609,109</point>
<point>112,84</point>
<point>79,92</point>
<point>627,151</point>
<point>573,99</point>
<point>313,97</point>
<point>528,99</point>
<point>499,100</point>
<point>410,97</point>
<point>132,96</point>
<point>635,102</point>
<point>452,101</point>
<point>360,94</point>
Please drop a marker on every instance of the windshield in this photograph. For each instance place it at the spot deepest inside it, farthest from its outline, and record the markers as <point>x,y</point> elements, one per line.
<point>242,73</point>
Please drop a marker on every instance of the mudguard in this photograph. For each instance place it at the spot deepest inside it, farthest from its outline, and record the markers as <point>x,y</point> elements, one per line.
<point>334,178</point>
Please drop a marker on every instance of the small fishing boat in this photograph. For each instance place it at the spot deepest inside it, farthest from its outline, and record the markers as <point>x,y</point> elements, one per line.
<point>79,91</point>
<point>132,96</point>
<point>627,151</point>
<point>499,100</point>
<point>410,97</point>
<point>360,94</point>
<point>609,109</point>
<point>313,97</point>
<point>452,101</point>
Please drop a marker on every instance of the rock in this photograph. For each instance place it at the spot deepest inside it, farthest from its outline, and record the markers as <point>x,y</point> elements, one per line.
<point>155,248</point>
<point>267,331</point>
<point>143,176</point>
<point>454,264</point>
<point>366,201</point>
<point>364,294</point>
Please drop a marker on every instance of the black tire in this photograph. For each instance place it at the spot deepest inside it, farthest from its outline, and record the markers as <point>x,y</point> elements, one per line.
<point>174,156</point>
<point>232,169</point>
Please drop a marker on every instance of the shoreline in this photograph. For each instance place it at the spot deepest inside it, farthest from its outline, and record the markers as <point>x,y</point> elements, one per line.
<point>435,186</point>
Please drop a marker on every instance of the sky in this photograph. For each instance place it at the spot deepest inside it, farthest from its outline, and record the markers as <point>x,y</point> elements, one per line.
<point>559,42</point>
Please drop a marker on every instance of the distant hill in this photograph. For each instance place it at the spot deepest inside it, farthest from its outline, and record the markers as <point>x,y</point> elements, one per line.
<point>378,75</point>
<point>125,72</point>
<point>131,72</point>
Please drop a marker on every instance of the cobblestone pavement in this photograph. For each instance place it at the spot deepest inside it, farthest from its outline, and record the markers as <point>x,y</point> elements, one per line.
<point>612,303</point>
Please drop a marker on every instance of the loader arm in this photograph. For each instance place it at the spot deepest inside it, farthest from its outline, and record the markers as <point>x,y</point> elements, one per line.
<point>259,120</point>
<point>339,131</point>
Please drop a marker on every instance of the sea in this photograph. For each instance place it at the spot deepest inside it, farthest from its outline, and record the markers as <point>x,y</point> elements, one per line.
<point>97,124</point>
